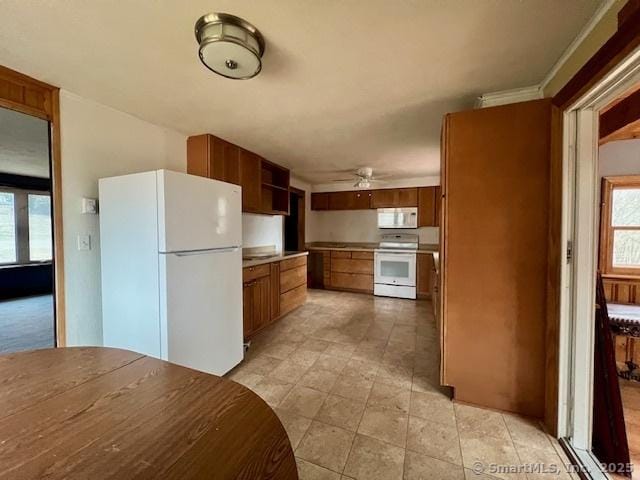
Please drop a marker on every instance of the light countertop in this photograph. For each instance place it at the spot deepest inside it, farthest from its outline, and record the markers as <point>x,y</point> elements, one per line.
<point>275,258</point>
<point>364,247</point>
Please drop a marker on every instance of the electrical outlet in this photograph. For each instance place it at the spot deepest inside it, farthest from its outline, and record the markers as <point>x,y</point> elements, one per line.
<point>84,242</point>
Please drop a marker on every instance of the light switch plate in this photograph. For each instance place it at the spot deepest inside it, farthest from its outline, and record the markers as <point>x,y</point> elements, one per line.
<point>84,242</point>
<point>90,205</point>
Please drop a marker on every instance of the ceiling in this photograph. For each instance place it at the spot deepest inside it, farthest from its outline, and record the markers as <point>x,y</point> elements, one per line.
<point>24,144</point>
<point>345,83</point>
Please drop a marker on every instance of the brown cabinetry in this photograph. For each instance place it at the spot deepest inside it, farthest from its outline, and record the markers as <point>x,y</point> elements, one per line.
<point>265,185</point>
<point>272,290</point>
<point>319,201</point>
<point>428,206</point>
<point>359,200</point>
<point>394,197</point>
<point>425,274</point>
<point>347,270</point>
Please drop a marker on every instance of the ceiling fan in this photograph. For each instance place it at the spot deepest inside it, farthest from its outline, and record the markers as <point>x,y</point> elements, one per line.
<point>363,178</point>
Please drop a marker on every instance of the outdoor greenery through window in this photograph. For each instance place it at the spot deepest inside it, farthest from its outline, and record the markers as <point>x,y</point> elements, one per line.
<point>25,227</point>
<point>621,226</point>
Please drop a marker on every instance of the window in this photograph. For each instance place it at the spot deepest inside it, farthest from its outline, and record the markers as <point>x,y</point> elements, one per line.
<point>25,227</point>
<point>620,229</point>
<point>8,250</point>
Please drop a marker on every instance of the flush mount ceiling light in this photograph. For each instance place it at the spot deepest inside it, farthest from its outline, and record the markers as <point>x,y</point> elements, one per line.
<point>229,45</point>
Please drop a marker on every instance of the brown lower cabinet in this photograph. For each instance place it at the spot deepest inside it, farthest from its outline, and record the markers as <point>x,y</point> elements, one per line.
<point>425,274</point>
<point>272,290</point>
<point>343,270</point>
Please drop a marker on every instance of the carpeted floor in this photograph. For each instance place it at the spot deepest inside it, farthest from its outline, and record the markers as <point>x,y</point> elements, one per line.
<point>26,324</point>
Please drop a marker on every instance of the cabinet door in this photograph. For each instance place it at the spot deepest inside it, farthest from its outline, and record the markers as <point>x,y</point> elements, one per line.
<point>362,200</point>
<point>275,290</point>
<point>198,155</point>
<point>406,197</point>
<point>427,206</point>
<point>340,200</point>
<point>250,180</point>
<point>319,201</point>
<point>262,303</point>
<point>247,309</point>
<point>424,274</point>
<point>231,161</point>
<point>383,198</point>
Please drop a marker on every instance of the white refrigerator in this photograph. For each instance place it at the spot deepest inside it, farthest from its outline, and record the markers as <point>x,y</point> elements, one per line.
<point>171,264</point>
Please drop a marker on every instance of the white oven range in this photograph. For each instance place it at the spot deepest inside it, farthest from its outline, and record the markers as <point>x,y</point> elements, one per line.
<point>395,266</point>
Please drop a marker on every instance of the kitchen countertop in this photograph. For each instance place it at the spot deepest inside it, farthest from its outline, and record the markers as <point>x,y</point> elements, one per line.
<point>364,247</point>
<point>275,258</point>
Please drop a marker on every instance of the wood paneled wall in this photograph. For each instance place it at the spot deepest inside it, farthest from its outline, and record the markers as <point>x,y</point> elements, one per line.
<point>622,290</point>
<point>496,200</point>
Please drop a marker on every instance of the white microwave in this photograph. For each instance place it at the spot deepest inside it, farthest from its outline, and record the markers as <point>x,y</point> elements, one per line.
<point>398,217</point>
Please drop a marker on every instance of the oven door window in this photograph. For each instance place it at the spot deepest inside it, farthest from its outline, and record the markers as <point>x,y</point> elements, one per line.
<point>394,268</point>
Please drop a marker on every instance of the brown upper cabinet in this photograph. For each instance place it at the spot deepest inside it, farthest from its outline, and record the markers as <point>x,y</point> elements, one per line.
<point>358,200</point>
<point>394,197</point>
<point>265,185</point>
<point>319,201</point>
<point>428,206</point>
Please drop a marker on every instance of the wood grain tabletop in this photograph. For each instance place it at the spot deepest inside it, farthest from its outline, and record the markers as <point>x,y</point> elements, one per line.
<point>96,413</point>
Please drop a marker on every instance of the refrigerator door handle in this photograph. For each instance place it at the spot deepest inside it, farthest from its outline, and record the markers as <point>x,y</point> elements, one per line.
<point>203,252</point>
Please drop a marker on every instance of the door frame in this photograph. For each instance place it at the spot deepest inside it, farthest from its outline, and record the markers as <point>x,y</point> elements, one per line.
<point>30,96</point>
<point>580,236</point>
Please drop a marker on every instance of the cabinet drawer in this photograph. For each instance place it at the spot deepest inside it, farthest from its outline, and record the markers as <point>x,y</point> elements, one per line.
<point>252,273</point>
<point>351,265</point>
<point>290,263</point>
<point>362,255</point>
<point>293,278</point>
<point>340,254</point>
<point>352,281</point>
<point>292,299</point>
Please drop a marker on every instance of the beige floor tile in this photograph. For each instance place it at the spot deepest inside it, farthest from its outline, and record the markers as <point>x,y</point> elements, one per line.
<point>279,350</point>
<point>361,368</point>
<point>389,396</point>
<point>340,350</point>
<point>315,345</point>
<point>310,471</point>
<point>341,412</point>
<point>396,375</point>
<point>527,432</point>
<point>289,371</point>
<point>480,422</point>
<point>371,459</point>
<point>326,445</point>
<point>303,401</point>
<point>246,378</point>
<point>435,440</point>
<point>471,475</point>
<point>295,425</point>
<point>421,467</point>
<point>272,390</point>
<point>352,387</point>
<point>388,425</point>
<point>487,451</point>
<point>331,363</point>
<point>304,357</point>
<point>261,364</point>
<point>554,467</point>
<point>322,380</point>
<point>432,406</point>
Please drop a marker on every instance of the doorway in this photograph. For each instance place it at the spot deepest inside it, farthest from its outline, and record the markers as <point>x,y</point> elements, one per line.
<point>580,243</point>
<point>27,319</point>
<point>294,223</point>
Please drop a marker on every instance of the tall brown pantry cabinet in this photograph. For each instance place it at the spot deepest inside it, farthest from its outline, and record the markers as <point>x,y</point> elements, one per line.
<point>494,233</point>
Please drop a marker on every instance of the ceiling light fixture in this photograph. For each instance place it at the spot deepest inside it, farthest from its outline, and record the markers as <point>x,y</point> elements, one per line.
<point>229,45</point>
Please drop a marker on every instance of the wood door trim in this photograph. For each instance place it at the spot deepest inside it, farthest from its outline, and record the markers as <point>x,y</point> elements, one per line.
<point>50,111</point>
<point>621,43</point>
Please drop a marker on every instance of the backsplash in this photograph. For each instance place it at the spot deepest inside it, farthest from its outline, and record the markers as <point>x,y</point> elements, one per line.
<point>356,226</point>
<point>262,230</point>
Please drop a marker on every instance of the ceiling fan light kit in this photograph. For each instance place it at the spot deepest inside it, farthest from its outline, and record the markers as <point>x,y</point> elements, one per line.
<point>229,45</point>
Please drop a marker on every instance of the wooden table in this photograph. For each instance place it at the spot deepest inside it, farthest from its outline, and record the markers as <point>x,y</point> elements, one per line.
<point>95,413</point>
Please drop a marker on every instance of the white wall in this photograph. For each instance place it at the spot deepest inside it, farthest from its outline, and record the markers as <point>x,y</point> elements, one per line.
<point>360,225</point>
<point>98,141</point>
<point>619,158</point>
<point>262,230</point>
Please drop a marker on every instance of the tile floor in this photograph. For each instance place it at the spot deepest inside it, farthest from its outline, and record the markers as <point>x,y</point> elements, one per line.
<point>354,380</point>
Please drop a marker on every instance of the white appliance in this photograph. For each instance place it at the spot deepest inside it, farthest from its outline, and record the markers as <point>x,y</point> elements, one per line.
<point>395,266</point>
<point>398,217</point>
<point>172,268</point>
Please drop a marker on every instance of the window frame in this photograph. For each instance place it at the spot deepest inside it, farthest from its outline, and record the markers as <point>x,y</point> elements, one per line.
<point>21,217</point>
<point>609,184</point>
